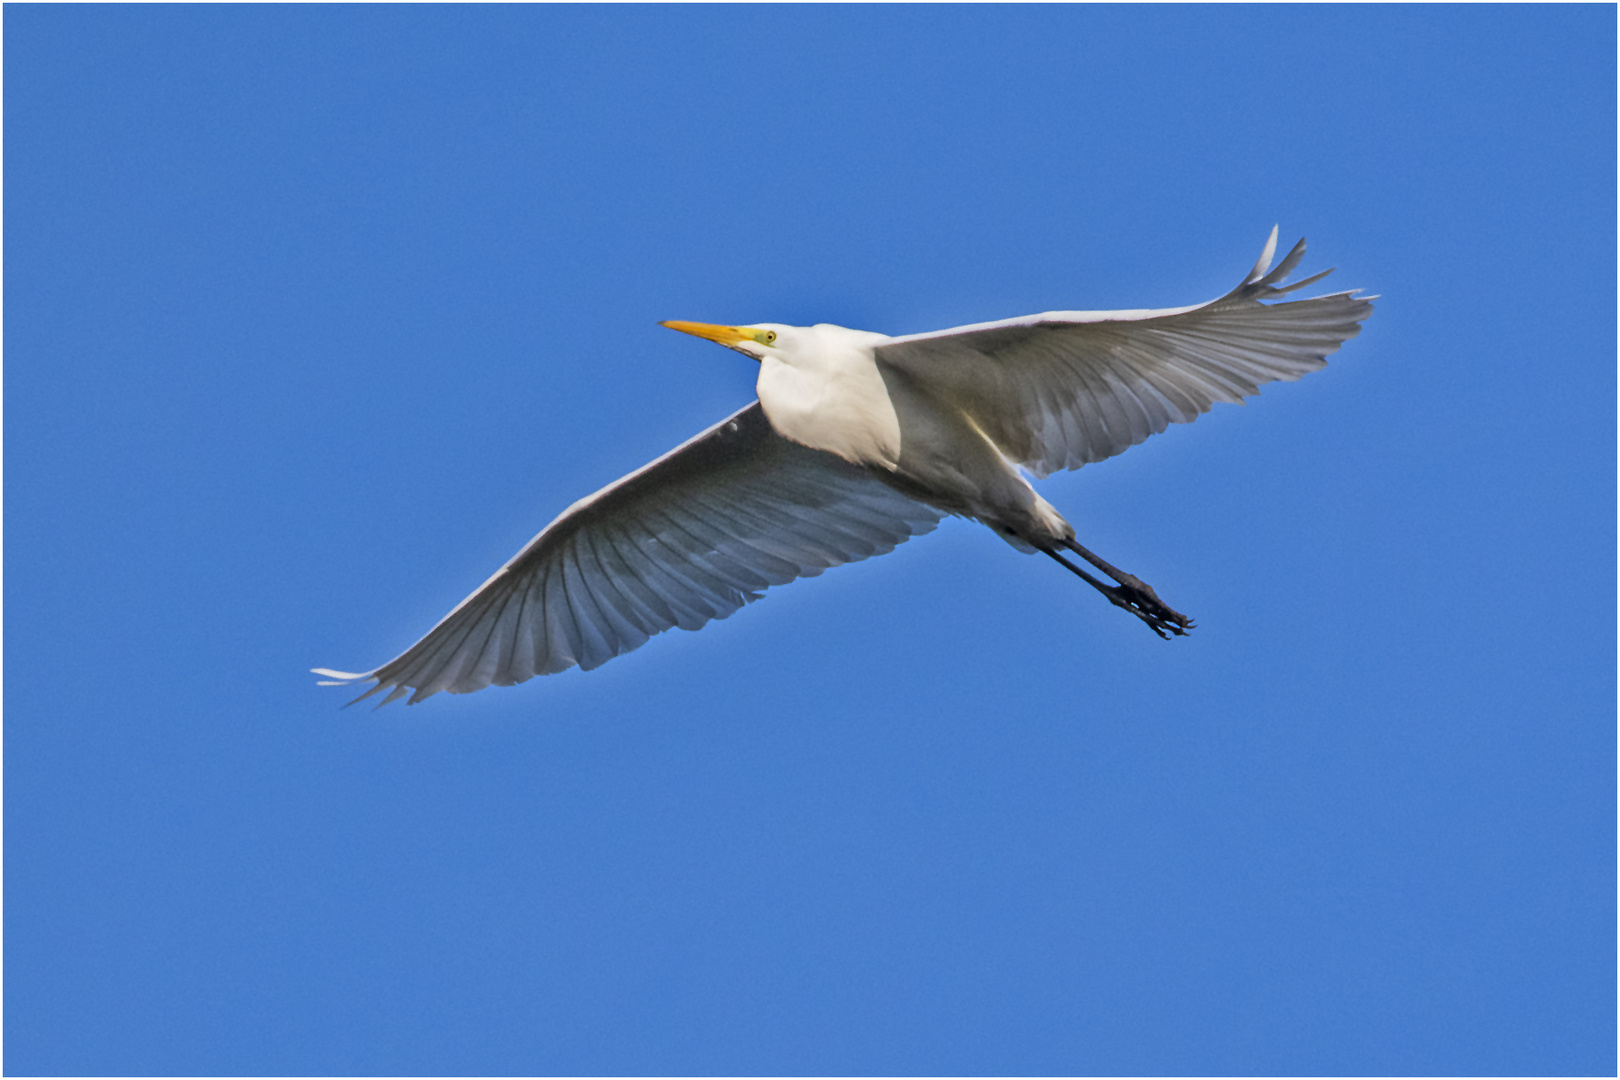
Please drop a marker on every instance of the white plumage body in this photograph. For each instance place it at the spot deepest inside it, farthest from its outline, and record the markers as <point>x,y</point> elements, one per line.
<point>859,441</point>
<point>822,387</point>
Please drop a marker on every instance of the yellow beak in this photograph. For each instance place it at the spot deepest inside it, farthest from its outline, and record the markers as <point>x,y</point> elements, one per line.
<point>725,335</point>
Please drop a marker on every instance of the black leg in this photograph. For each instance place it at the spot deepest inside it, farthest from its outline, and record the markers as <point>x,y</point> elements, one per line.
<point>1132,594</point>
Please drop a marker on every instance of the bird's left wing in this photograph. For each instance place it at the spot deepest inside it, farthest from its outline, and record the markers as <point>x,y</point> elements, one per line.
<point>688,538</point>
<point>1064,388</point>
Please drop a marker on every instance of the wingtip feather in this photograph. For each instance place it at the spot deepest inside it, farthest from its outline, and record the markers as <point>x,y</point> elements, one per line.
<point>1264,262</point>
<point>342,676</point>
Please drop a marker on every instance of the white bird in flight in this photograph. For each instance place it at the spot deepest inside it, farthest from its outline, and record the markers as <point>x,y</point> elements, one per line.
<point>858,442</point>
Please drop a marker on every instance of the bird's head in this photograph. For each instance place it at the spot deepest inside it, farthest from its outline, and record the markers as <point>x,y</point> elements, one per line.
<point>756,342</point>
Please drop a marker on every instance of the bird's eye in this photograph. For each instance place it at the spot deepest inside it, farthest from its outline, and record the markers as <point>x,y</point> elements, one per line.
<point>770,337</point>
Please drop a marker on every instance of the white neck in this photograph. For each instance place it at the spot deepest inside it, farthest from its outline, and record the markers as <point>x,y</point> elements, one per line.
<point>822,389</point>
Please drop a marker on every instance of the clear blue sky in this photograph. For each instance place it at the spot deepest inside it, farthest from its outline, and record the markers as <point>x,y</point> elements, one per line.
<point>314,315</point>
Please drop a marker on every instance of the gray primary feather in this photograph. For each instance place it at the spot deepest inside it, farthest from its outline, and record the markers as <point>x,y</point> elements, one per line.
<point>1065,388</point>
<point>691,537</point>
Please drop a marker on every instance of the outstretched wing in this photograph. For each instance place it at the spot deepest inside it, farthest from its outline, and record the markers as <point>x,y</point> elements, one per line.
<point>691,537</point>
<point>1064,388</point>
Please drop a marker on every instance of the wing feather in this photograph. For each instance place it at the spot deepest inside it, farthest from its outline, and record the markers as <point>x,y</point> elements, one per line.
<point>1065,388</point>
<point>691,537</point>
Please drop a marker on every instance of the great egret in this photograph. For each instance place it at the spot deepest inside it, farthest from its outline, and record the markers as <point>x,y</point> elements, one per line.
<point>858,442</point>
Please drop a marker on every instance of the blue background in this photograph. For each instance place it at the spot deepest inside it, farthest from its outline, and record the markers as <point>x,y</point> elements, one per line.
<point>315,315</point>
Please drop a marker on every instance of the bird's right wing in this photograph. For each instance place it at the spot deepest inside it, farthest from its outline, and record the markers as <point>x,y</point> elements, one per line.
<point>1064,388</point>
<point>688,538</point>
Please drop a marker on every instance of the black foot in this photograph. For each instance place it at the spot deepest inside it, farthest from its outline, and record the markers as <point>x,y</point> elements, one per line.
<point>1138,598</point>
<point>1132,593</point>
